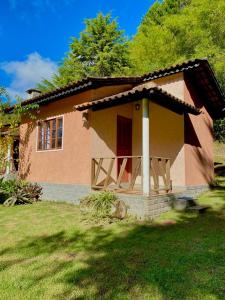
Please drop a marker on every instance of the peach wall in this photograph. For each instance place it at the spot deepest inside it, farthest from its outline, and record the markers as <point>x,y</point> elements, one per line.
<point>72,164</point>
<point>68,165</point>
<point>198,142</point>
<point>166,135</point>
<point>198,151</point>
<point>166,139</point>
<point>173,84</point>
<point>104,133</point>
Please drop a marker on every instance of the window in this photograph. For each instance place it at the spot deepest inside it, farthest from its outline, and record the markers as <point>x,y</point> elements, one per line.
<point>50,134</point>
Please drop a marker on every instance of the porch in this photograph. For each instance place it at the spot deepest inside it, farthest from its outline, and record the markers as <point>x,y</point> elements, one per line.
<point>137,141</point>
<point>124,174</point>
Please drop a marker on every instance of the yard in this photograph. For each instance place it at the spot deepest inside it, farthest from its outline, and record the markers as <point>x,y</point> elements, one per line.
<point>50,251</point>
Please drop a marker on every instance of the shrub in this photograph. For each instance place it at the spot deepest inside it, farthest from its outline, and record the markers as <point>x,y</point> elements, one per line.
<point>100,203</point>
<point>16,191</point>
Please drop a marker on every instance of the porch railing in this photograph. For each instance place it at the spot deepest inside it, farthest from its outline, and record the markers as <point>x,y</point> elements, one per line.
<point>125,173</point>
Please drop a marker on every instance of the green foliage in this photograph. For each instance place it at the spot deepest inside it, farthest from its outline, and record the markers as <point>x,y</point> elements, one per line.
<point>16,191</point>
<point>159,10</point>
<point>174,31</point>
<point>101,50</point>
<point>10,120</point>
<point>100,203</point>
<point>219,130</point>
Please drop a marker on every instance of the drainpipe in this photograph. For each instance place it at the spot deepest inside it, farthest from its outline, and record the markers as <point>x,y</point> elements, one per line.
<point>145,147</point>
<point>8,159</point>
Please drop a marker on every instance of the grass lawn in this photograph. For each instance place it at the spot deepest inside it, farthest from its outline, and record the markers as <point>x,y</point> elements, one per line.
<point>49,251</point>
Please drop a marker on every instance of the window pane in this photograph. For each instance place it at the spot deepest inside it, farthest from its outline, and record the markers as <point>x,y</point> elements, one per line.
<point>54,124</point>
<point>50,134</point>
<point>59,143</point>
<point>60,123</point>
<point>53,143</point>
<point>47,140</point>
<point>41,137</point>
<point>59,132</point>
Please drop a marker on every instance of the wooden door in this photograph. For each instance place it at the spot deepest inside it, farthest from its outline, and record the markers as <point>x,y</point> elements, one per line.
<point>124,144</point>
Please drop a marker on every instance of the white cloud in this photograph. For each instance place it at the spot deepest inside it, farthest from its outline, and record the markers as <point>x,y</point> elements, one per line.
<point>26,74</point>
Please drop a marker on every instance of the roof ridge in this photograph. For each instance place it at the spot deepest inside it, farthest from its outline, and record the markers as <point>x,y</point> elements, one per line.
<point>147,76</point>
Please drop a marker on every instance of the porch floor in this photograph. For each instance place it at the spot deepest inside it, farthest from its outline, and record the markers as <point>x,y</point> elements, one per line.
<point>137,190</point>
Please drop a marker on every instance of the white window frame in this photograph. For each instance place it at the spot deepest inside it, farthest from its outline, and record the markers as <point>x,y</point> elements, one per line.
<point>37,134</point>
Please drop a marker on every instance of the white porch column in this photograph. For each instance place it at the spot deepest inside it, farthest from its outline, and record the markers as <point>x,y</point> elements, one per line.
<point>145,147</point>
<point>8,159</point>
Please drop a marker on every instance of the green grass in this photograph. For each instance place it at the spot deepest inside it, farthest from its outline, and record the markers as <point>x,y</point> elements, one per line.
<point>219,153</point>
<point>50,251</point>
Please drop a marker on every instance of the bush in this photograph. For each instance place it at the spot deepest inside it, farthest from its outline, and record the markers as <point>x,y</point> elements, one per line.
<point>99,203</point>
<point>16,191</point>
<point>219,130</point>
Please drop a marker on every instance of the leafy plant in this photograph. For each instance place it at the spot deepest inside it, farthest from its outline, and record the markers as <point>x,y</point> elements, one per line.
<point>10,119</point>
<point>17,191</point>
<point>99,203</point>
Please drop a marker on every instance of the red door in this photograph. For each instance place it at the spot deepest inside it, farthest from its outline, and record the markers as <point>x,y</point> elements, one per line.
<point>124,144</point>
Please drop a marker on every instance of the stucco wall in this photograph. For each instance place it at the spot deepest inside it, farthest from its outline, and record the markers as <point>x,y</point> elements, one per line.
<point>72,164</point>
<point>166,135</point>
<point>68,165</point>
<point>198,142</point>
<point>173,84</point>
<point>166,139</point>
<point>198,149</point>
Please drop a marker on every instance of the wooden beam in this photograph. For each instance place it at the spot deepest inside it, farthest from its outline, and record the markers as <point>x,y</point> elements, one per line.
<point>154,174</point>
<point>122,169</point>
<point>98,171</point>
<point>135,174</point>
<point>93,162</point>
<point>109,172</point>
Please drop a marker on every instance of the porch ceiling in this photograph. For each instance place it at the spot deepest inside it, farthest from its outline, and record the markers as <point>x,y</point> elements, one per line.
<point>155,94</point>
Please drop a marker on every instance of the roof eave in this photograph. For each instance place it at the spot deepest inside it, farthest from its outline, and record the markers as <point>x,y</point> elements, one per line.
<point>153,94</point>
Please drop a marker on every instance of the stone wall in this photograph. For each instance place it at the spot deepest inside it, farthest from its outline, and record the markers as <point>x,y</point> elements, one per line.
<point>138,205</point>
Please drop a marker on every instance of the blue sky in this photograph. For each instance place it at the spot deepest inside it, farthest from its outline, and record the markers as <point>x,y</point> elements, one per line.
<point>34,34</point>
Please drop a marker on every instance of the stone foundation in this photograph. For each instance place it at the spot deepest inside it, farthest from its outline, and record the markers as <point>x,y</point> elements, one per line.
<point>138,205</point>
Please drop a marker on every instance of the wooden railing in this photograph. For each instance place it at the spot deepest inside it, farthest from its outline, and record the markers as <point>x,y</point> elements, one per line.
<point>125,173</point>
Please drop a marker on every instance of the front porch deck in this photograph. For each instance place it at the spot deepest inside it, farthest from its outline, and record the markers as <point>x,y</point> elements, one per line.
<point>123,174</point>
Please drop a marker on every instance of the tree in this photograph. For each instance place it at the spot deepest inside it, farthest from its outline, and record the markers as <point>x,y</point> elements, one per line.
<point>101,50</point>
<point>219,129</point>
<point>174,31</point>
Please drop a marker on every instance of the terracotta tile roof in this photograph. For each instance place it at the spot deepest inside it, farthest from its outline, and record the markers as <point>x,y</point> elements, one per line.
<point>80,86</point>
<point>198,70</point>
<point>154,94</point>
<point>188,65</point>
